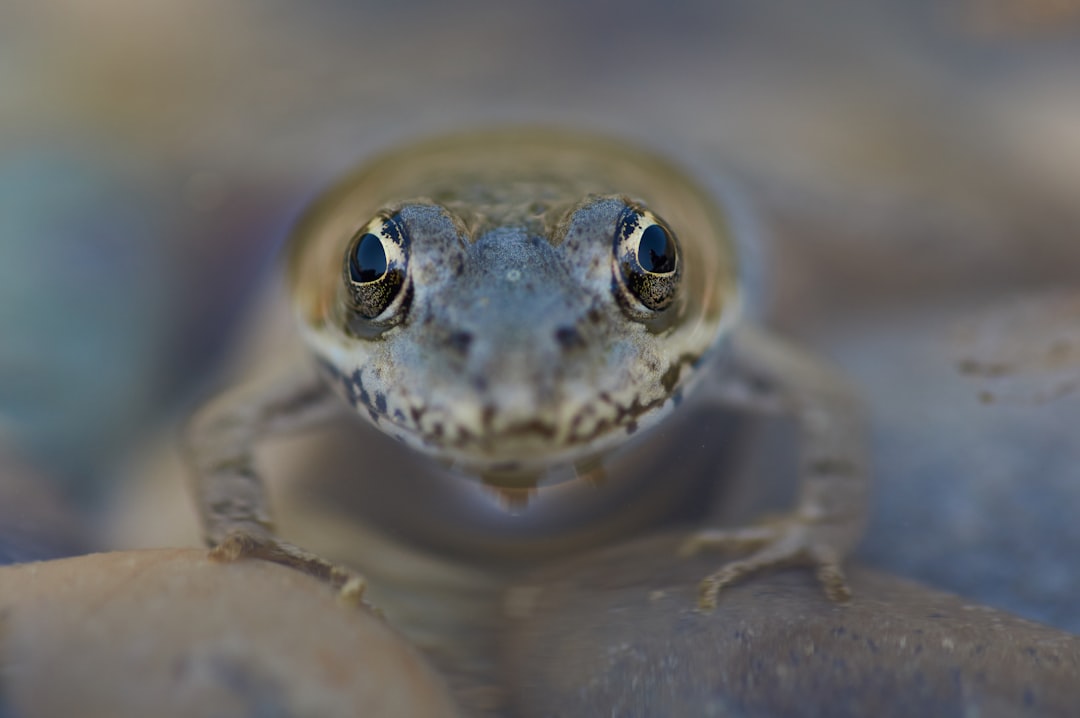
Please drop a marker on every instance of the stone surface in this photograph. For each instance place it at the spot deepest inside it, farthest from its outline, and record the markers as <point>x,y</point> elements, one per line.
<point>616,633</point>
<point>167,633</point>
<point>36,523</point>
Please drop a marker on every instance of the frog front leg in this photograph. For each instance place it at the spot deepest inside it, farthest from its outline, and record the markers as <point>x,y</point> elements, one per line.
<point>768,374</point>
<point>233,505</point>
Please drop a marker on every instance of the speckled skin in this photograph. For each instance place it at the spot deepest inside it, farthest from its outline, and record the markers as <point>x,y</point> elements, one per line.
<point>516,354</point>
<point>514,350</point>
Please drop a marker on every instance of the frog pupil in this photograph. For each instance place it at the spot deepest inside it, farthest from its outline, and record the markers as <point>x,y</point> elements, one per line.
<point>368,260</point>
<point>656,251</point>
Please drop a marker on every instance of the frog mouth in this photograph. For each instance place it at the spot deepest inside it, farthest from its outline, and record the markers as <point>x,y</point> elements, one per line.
<point>528,455</point>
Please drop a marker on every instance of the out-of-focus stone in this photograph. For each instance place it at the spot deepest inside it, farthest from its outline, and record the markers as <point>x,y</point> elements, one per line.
<point>617,633</point>
<point>35,522</point>
<point>167,633</point>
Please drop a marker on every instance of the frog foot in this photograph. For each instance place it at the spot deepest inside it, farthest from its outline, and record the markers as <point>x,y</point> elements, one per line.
<point>789,541</point>
<point>241,544</point>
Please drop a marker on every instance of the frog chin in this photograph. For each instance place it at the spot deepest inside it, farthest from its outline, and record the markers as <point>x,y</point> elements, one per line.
<point>514,487</point>
<point>525,474</point>
<point>529,455</point>
<point>512,467</point>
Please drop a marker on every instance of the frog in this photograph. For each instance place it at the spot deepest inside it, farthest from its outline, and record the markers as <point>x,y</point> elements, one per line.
<point>516,305</point>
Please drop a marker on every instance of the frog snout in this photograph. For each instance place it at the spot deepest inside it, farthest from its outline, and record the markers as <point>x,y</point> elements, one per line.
<point>520,371</point>
<point>520,378</point>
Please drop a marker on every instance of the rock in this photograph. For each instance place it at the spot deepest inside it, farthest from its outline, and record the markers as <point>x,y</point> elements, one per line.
<point>617,633</point>
<point>167,633</point>
<point>36,523</point>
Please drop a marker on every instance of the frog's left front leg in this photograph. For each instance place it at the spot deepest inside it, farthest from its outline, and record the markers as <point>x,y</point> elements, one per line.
<point>768,374</point>
<point>233,505</point>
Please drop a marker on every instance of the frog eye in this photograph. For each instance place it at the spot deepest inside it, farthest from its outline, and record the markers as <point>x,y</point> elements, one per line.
<point>375,265</point>
<point>647,263</point>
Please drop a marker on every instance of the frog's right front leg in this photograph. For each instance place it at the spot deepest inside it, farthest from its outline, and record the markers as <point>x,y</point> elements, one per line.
<point>232,500</point>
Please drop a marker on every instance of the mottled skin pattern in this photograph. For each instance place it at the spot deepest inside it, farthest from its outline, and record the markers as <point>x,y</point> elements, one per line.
<point>515,355</point>
<point>518,342</point>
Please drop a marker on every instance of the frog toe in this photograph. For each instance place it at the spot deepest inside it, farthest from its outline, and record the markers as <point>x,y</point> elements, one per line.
<point>776,545</point>
<point>243,544</point>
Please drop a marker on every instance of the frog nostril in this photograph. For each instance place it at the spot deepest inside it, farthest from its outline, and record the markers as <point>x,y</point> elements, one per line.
<point>569,338</point>
<point>460,341</point>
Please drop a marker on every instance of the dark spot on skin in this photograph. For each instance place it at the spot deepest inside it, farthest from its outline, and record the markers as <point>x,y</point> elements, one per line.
<point>380,403</point>
<point>417,414</point>
<point>631,427</point>
<point>677,397</point>
<point>399,416</point>
<point>533,427</point>
<point>460,341</point>
<point>569,338</point>
<point>670,377</point>
<point>624,416</point>
<point>359,397</point>
<point>601,427</point>
<point>354,388</point>
<point>575,422</point>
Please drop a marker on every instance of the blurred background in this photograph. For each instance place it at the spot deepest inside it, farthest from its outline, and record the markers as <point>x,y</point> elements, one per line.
<point>916,164</point>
